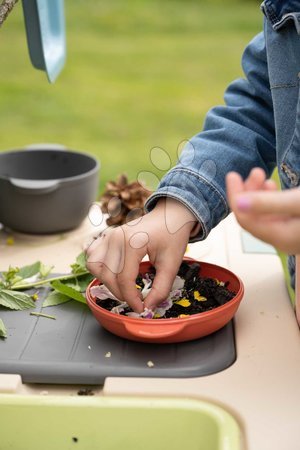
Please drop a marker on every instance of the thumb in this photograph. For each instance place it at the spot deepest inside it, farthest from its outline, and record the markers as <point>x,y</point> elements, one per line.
<point>161,287</point>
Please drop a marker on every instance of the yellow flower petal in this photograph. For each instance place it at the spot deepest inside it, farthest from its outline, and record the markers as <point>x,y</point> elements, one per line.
<point>10,240</point>
<point>137,286</point>
<point>183,302</point>
<point>198,297</point>
<point>183,315</point>
<point>156,316</point>
<point>220,283</point>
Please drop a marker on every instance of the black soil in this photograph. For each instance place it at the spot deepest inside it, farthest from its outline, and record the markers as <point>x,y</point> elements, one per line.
<point>216,294</point>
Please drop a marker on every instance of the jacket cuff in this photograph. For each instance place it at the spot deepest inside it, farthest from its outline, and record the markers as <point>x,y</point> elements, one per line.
<point>199,195</point>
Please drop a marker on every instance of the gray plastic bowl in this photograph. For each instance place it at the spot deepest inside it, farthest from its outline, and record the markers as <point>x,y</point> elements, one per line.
<point>46,189</point>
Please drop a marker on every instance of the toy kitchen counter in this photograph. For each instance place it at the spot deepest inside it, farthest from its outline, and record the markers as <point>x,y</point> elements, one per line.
<point>257,387</point>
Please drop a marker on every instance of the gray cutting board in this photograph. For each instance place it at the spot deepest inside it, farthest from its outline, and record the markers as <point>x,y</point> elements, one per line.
<point>72,349</point>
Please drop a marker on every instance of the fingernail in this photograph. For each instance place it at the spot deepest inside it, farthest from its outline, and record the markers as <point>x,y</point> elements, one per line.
<point>244,203</point>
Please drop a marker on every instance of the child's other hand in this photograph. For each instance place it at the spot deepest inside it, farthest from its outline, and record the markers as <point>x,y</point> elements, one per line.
<point>269,214</point>
<point>162,234</point>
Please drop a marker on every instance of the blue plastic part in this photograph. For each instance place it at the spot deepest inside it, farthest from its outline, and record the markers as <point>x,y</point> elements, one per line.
<point>251,244</point>
<point>45,30</point>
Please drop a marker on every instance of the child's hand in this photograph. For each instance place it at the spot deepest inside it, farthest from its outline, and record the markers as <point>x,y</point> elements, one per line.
<point>163,234</point>
<point>270,215</point>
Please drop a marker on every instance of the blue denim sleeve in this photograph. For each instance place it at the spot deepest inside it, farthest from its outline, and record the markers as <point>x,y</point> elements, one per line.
<point>237,136</point>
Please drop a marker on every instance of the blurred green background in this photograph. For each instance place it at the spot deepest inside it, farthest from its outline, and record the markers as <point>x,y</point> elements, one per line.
<point>139,74</point>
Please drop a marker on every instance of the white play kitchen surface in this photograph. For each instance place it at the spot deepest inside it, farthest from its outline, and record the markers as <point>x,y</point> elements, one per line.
<point>261,389</point>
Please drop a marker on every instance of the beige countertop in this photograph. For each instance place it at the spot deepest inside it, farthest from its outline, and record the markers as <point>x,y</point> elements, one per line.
<point>261,389</point>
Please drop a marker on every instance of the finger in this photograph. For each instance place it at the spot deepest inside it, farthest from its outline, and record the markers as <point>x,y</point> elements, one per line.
<point>101,265</point>
<point>98,244</point>
<point>166,271</point>
<point>234,186</point>
<point>255,179</point>
<point>113,263</point>
<point>126,281</point>
<point>271,202</point>
<point>109,278</point>
<point>114,258</point>
<point>95,256</point>
<point>270,185</point>
<point>160,290</point>
<point>133,253</point>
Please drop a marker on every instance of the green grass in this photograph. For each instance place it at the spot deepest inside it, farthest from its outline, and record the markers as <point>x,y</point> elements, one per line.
<point>139,74</point>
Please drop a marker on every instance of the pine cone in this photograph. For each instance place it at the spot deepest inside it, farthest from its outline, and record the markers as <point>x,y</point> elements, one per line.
<point>123,201</point>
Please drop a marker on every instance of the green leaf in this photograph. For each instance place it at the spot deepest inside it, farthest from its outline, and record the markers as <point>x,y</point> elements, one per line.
<point>14,280</point>
<point>3,332</point>
<point>80,264</point>
<point>15,300</point>
<point>10,276</point>
<point>69,291</point>
<point>55,298</point>
<point>29,271</point>
<point>84,281</point>
<point>81,260</point>
<point>45,270</point>
<point>73,286</point>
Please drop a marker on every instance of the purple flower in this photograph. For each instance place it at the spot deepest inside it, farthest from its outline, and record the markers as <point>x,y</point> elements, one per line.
<point>119,308</point>
<point>178,283</point>
<point>147,286</point>
<point>176,294</point>
<point>102,292</point>
<point>146,314</point>
<point>133,314</point>
<point>163,307</point>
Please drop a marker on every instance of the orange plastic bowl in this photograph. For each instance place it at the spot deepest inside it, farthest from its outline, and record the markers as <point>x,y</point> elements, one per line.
<point>162,331</point>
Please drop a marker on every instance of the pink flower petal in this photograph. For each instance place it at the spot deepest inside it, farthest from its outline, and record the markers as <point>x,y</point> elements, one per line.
<point>134,315</point>
<point>147,314</point>
<point>102,292</point>
<point>178,283</point>
<point>119,308</point>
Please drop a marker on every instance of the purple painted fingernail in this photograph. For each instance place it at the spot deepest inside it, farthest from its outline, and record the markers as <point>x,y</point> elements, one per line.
<point>244,203</point>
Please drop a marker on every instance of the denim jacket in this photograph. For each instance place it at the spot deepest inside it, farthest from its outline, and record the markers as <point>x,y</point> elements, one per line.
<point>259,126</point>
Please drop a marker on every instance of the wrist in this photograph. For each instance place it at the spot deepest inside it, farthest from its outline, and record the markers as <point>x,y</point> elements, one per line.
<point>195,230</point>
<point>177,215</point>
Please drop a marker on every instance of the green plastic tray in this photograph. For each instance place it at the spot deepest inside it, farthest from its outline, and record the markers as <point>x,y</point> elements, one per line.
<point>112,423</point>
